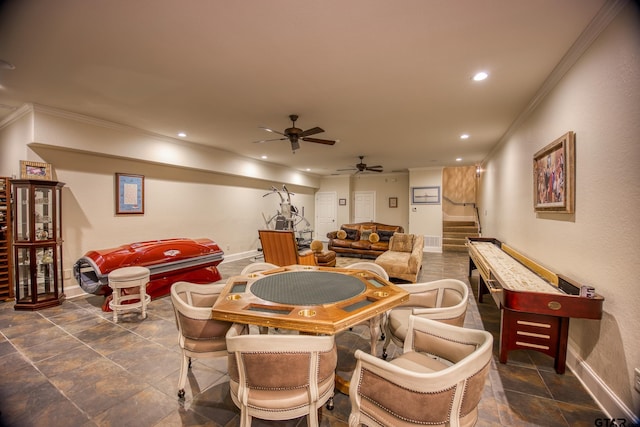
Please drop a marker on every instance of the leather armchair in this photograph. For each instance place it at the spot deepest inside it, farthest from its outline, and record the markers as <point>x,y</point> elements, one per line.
<point>445,300</point>
<point>375,328</point>
<point>280,377</point>
<point>438,380</point>
<point>199,336</point>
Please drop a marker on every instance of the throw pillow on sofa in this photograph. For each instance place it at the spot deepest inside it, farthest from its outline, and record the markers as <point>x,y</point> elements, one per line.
<point>352,233</point>
<point>384,235</point>
<point>401,242</point>
<point>374,238</point>
<point>341,234</point>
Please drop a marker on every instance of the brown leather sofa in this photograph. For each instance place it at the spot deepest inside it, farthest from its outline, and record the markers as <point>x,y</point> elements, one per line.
<point>364,239</point>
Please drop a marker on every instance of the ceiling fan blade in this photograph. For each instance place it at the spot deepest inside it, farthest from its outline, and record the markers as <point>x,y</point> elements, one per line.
<point>311,131</point>
<point>350,169</point>
<point>374,167</point>
<point>319,141</point>
<point>267,140</point>
<point>374,170</point>
<point>271,130</point>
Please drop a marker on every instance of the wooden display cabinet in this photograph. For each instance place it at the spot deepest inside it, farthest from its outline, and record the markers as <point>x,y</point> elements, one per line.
<point>37,243</point>
<point>6,281</point>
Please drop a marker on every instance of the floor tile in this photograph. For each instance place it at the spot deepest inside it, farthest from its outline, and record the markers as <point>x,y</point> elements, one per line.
<point>71,365</point>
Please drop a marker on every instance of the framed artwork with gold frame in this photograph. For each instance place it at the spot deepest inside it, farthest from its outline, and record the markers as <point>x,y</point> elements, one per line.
<point>554,176</point>
<point>35,170</point>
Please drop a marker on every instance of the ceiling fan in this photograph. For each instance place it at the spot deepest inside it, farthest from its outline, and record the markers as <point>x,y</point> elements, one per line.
<point>362,167</point>
<point>294,135</point>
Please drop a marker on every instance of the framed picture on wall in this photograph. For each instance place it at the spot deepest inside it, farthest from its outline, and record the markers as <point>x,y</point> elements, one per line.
<point>35,170</point>
<point>393,202</point>
<point>129,194</point>
<point>553,176</point>
<point>342,202</point>
<point>425,195</point>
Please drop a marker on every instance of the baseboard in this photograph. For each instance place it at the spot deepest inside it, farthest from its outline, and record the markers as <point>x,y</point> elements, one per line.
<point>240,255</point>
<point>74,291</point>
<point>610,404</point>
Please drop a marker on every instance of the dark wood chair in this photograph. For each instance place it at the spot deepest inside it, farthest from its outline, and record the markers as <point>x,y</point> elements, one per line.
<point>280,247</point>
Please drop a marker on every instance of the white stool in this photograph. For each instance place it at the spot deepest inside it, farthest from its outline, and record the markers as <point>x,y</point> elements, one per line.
<point>126,278</point>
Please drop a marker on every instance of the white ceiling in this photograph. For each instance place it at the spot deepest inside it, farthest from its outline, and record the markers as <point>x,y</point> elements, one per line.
<point>390,79</point>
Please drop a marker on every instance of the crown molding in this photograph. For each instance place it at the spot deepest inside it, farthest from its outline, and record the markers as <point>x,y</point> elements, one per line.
<point>16,115</point>
<point>598,24</point>
<point>82,118</point>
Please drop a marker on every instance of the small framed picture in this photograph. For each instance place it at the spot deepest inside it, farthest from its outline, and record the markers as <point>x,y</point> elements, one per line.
<point>35,170</point>
<point>342,202</point>
<point>129,194</point>
<point>425,195</point>
<point>393,202</point>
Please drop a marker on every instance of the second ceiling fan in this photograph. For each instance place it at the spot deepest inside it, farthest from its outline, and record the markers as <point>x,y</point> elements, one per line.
<point>362,167</point>
<point>295,135</point>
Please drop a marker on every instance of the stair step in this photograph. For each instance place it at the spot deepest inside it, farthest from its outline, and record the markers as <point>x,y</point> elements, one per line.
<point>460,235</point>
<point>449,241</point>
<point>459,223</point>
<point>455,233</point>
<point>454,248</point>
<point>462,227</point>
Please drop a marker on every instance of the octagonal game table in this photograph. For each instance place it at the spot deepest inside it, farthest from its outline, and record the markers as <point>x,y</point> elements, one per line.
<point>315,300</point>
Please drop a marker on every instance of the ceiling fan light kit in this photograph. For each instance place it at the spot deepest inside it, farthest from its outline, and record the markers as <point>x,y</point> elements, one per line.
<point>362,167</point>
<point>294,135</point>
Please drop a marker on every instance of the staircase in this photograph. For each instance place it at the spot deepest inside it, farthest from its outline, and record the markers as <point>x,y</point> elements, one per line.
<point>455,233</point>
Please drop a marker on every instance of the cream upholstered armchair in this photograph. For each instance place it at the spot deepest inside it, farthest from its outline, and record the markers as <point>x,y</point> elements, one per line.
<point>403,260</point>
<point>280,377</point>
<point>199,336</point>
<point>445,300</point>
<point>257,267</point>
<point>375,328</point>
<point>438,379</point>
<point>370,266</point>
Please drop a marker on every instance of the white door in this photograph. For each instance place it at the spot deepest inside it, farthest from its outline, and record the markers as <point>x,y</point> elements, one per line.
<point>364,206</point>
<point>326,214</point>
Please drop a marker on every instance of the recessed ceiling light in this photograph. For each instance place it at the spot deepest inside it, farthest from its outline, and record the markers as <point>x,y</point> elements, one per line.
<point>480,76</point>
<point>263,156</point>
<point>464,136</point>
<point>308,169</point>
<point>459,159</point>
<point>182,134</point>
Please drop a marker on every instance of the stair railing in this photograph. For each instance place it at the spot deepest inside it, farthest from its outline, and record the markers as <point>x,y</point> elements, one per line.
<point>472,204</point>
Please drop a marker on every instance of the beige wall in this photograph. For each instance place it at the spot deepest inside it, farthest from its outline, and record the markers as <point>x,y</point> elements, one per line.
<point>385,185</point>
<point>15,133</point>
<point>598,99</point>
<point>341,186</point>
<point>425,219</point>
<point>458,190</point>
<point>180,201</point>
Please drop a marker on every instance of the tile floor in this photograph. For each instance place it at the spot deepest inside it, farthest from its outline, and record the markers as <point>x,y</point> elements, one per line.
<point>72,366</point>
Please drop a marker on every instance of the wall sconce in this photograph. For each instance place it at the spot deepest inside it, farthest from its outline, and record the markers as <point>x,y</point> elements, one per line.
<point>478,170</point>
